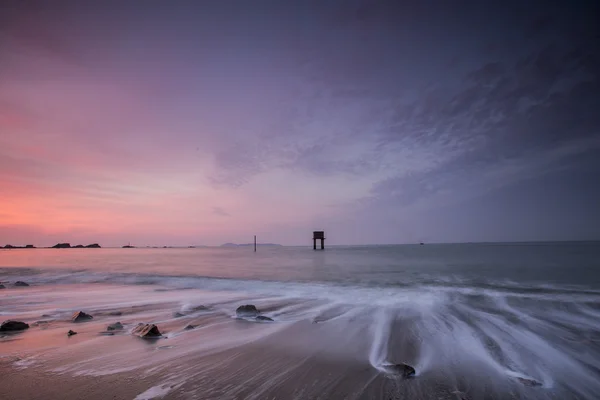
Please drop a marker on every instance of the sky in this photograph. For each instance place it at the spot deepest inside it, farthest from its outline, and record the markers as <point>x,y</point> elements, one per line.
<point>203,122</point>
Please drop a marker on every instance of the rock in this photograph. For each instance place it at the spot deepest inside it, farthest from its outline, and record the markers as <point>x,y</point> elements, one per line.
<point>29,246</point>
<point>62,246</point>
<point>178,315</point>
<point>199,308</point>
<point>117,326</point>
<point>147,331</point>
<point>21,283</point>
<point>38,323</point>
<point>79,246</point>
<point>189,327</point>
<point>404,370</point>
<point>80,316</point>
<point>529,382</point>
<point>13,326</point>
<point>2,286</point>
<point>263,318</point>
<point>93,246</point>
<point>71,333</point>
<point>248,310</point>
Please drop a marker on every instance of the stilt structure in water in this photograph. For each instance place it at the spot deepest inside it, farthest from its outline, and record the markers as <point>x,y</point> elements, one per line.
<point>319,235</point>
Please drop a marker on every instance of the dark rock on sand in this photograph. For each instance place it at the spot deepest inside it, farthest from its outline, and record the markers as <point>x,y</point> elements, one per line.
<point>71,333</point>
<point>263,318</point>
<point>529,382</point>
<point>147,331</point>
<point>404,370</point>
<point>21,283</point>
<point>117,326</point>
<point>189,327</point>
<point>13,326</point>
<point>80,316</point>
<point>248,310</point>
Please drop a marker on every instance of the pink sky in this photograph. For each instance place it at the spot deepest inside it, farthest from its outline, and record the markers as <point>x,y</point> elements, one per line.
<point>196,123</point>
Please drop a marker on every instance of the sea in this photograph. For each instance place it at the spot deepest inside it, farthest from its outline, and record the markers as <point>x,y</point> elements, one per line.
<point>521,320</point>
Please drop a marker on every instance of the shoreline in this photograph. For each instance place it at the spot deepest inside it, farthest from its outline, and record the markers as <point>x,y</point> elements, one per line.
<point>312,349</point>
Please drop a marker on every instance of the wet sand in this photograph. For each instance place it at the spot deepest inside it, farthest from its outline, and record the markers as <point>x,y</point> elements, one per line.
<point>312,350</point>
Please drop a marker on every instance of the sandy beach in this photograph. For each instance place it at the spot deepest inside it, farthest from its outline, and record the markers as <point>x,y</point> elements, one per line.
<point>311,350</point>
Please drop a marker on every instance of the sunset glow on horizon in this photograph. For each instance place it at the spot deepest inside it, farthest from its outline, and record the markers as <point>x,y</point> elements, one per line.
<point>199,123</point>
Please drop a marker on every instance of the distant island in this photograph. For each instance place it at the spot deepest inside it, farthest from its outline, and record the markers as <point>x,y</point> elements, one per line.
<point>79,246</point>
<point>10,246</point>
<point>56,246</point>
<point>249,244</point>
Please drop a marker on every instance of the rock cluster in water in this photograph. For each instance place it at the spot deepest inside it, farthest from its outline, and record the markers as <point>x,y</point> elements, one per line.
<point>13,326</point>
<point>250,311</point>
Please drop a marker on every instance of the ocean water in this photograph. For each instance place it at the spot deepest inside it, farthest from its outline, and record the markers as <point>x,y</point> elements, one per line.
<point>475,316</point>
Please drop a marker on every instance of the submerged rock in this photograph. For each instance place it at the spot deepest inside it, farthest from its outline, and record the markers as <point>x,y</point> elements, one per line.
<point>2,286</point>
<point>529,382</point>
<point>71,333</point>
<point>147,331</point>
<point>190,327</point>
<point>404,370</point>
<point>199,308</point>
<point>263,318</point>
<point>80,316</point>
<point>248,310</point>
<point>117,326</point>
<point>178,315</point>
<point>21,283</point>
<point>115,313</point>
<point>13,326</point>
